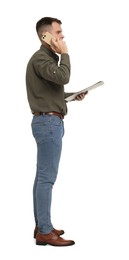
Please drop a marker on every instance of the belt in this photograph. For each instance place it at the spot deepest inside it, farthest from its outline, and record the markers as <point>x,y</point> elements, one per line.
<point>48,113</point>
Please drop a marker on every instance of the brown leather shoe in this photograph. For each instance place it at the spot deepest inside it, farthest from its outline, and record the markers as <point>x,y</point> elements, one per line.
<point>58,232</point>
<point>52,239</point>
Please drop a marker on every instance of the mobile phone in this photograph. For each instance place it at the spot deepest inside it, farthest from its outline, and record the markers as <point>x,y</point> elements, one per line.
<point>46,37</point>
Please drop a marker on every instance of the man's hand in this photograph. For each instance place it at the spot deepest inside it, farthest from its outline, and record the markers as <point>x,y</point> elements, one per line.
<point>81,96</point>
<point>58,46</point>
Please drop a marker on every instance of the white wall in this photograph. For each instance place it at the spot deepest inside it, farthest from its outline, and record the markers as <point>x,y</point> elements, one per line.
<point>90,198</point>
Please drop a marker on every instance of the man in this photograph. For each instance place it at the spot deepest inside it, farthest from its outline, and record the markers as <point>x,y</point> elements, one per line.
<point>46,74</point>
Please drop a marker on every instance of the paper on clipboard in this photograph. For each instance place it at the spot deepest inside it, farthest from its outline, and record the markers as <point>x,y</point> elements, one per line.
<point>72,97</point>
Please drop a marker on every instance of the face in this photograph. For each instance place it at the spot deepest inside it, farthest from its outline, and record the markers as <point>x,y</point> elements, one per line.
<point>57,31</point>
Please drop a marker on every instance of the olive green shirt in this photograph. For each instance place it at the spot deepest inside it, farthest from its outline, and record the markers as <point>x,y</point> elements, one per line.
<point>46,76</point>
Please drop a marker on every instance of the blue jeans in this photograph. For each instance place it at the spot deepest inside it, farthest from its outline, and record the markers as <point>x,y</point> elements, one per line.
<point>48,131</point>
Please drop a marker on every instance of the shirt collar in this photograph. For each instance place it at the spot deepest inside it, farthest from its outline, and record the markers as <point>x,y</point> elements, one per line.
<point>49,52</point>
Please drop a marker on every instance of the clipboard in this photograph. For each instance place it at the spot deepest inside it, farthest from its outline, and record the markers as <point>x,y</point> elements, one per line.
<point>73,96</point>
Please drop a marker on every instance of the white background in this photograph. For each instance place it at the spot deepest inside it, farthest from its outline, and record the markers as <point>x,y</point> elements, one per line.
<point>91,195</point>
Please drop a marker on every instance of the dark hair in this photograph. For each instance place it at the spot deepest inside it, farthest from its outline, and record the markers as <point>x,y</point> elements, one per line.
<point>46,21</point>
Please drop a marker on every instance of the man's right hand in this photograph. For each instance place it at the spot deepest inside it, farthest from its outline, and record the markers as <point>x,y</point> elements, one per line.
<point>59,46</point>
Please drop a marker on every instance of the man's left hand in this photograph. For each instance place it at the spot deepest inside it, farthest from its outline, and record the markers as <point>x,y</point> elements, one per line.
<point>81,96</point>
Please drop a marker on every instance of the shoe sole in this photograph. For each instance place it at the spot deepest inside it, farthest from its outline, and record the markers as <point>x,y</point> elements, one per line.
<point>39,243</point>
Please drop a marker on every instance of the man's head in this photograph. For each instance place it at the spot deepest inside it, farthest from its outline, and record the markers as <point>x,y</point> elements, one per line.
<point>51,25</point>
